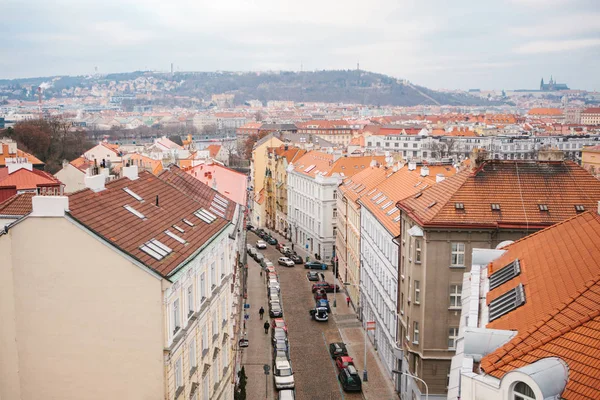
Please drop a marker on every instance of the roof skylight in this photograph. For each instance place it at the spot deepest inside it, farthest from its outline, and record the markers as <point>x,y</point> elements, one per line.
<point>371,192</point>
<point>178,229</point>
<point>133,194</point>
<point>309,168</point>
<point>459,206</point>
<point>381,199</point>
<point>174,236</point>
<point>386,205</point>
<point>205,215</point>
<point>504,304</point>
<point>495,207</point>
<point>134,212</point>
<point>397,219</point>
<point>393,210</point>
<point>418,195</point>
<point>505,274</point>
<point>543,207</point>
<point>188,222</point>
<point>377,196</point>
<point>217,211</point>
<point>156,249</point>
<point>433,203</point>
<point>579,208</point>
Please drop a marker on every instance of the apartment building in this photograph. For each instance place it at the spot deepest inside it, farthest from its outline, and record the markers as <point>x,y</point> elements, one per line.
<point>591,116</point>
<point>338,131</point>
<point>535,334</point>
<point>128,290</point>
<point>258,173</point>
<point>493,202</point>
<point>284,156</point>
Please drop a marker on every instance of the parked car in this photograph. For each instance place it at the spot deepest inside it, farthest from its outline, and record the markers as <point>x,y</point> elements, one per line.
<point>275,310</point>
<point>286,262</point>
<point>271,268</point>
<point>260,244</point>
<point>281,346</point>
<point>263,235</point>
<point>272,275</point>
<point>283,375</point>
<point>337,349</point>
<point>272,291</point>
<point>319,314</point>
<point>286,394</point>
<point>288,252</point>
<point>251,251</point>
<point>284,249</point>
<point>315,265</point>
<point>258,257</point>
<point>313,276</point>
<point>328,287</point>
<point>271,240</point>
<point>278,334</point>
<point>265,263</point>
<point>279,323</point>
<point>320,294</point>
<point>323,303</point>
<point>274,298</point>
<point>274,284</point>
<point>250,227</point>
<point>280,355</point>
<point>350,379</point>
<point>279,245</point>
<point>343,362</point>
<point>296,258</point>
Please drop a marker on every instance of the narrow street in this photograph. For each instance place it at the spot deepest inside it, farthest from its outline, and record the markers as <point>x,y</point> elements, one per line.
<point>314,370</point>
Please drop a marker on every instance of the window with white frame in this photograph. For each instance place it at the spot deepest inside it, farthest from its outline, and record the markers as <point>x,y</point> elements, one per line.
<point>452,336</point>
<point>458,255</point>
<point>455,295</point>
<point>417,250</point>
<point>204,339</point>
<point>224,309</point>
<point>192,355</point>
<point>202,287</point>
<point>415,332</point>
<point>522,391</point>
<point>417,292</point>
<point>176,318</point>
<point>213,275</point>
<point>178,374</point>
<point>215,324</point>
<point>335,213</point>
<point>335,194</point>
<point>216,372</point>
<point>190,300</point>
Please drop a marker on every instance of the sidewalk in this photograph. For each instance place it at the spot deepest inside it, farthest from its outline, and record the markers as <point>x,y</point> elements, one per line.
<point>379,386</point>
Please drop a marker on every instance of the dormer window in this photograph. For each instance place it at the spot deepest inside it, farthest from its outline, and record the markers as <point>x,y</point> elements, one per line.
<point>495,207</point>
<point>459,206</point>
<point>543,207</point>
<point>579,208</point>
<point>507,302</point>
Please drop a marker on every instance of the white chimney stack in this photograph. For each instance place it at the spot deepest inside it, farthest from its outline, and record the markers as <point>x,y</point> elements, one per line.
<point>16,164</point>
<point>424,171</point>
<point>95,183</point>
<point>131,172</point>
<point>439,178</point>
<point>49,206</point>
<point>412,166</point>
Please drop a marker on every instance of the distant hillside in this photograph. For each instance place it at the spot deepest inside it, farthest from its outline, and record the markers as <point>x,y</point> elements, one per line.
<point>345,86</point>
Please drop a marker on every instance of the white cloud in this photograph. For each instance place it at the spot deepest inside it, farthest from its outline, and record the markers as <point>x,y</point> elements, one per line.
<point>567,25</point>
<point>554,46</point>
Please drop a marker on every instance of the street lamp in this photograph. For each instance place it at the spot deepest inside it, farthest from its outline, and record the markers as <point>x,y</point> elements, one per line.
<point>414,377</point>
<point>365,375</point>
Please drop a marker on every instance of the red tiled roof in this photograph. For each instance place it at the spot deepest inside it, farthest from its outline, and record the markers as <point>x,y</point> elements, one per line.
<point>591,110</point>
<point>545,111</point>
<point>213,150</point>
<point>519,187</point>
<point>359,184</point>
<point>349,166</point>
<point>104,213</point>
<point>19,204</point>
<point>291,154</point>
<point>560,273</point>
<point>4,155</point>
<point>24,179</point>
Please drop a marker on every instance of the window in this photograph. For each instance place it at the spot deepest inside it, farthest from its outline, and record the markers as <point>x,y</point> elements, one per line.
<point>455,295</point>
<point>178,374</point>
<point>215,325</point>
<point>507,302</point>
<point>176,317</point>
<point>417,250</point>
<point>452,335</point>
<point>543,207</point>
<point>190,300</point>
<point>335,213</point>
<point>459,206</point>
<point>213,275</point>
<point>495,207</point>
<point>505,274</point>
<point>417,292</point>
<point>402,303</point>
<point>202,287</point>
<point>416,332</point>
<point>192,355</point>
<point>215,368</point>
<point>522,391</point>
<point>335,194</point>
<point>579,208</point>
<point>204,340</point>
<point>458,255</point>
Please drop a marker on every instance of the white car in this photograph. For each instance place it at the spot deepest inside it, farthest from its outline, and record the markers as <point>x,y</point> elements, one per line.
<point>286,262</point>
<point>283,374</point>
<point>261,244</point>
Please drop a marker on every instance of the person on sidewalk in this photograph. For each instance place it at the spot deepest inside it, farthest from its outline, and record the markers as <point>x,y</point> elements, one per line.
<point>266,326</point>
<point>261,312</point>
<point>347,301</point>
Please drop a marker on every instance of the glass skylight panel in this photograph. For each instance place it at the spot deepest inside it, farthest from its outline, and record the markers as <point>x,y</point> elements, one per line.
<point>392,211</point>
<point>371,192</point>
<point>381,199</point>
<point>174,236</point>
<point>504,304</point>
<point>178,229</point>
<point>579,208</point>
<point>205,215</point>
<point>218,207</point>
<point>151,252</point>
<point>309,168</point>
<point>495,207</point>
<point>386,205</point>
<point>543,207</point>
<point>134,211</point>
<point>459,206</point>
<point>218,199</point>
<point>397,219</point>
<point>159,247</point>
<point>433,203</point>
<point>185,221</point>
<point>418,195</point>
<point>133,194</point>
<point>505,274</point>
<point>217,211</point>
<point>418,183</point>
<point>377,196</point>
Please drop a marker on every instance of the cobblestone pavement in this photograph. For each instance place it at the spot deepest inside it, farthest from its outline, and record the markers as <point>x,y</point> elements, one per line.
<point>314,370</point>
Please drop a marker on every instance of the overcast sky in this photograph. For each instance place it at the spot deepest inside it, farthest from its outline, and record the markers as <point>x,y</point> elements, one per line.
<point>487,44</point>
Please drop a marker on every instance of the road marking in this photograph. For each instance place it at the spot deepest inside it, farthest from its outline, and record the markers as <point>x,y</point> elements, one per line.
<point>333,365</point>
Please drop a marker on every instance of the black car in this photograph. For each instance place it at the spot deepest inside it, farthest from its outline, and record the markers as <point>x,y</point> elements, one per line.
<point>250,227</point>
<point>349,379</point>
<point>263,235</point>
<point>315,265</point>
<point>275,310</point>
<point>337,349</point>
<point>271,240</point>
<point>296,258</point>
<point>313,276</point>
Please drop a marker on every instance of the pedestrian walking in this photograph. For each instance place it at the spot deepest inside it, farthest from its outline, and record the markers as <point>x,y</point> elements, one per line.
<point>347,301</point>
<point>266,326</point>
<point>261,312</point>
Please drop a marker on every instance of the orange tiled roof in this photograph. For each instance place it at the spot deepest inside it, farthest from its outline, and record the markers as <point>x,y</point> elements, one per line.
<point>560,273</point>
<point>349,166</point>
<point>591,110</point>
<point>142,161</point>
<point>19,204</point>
<point>24,179</point>
<point>593,149</point>
<point>30,158</point>
<point>81,163</point>
<point>322,162</point>
<point>519,187</point>
<point>323,124</point>
<point>545,111</point>
<point>359,184</point>
<point>213,150</point>
<point>292,153</point>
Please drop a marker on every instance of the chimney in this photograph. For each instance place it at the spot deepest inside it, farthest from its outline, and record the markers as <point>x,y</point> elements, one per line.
<point>551,154</point>
<point>156,200</point>
<point>17,165</point>
<point>12,147</point>
<point>65,163</point>
<point>131,172</point>
<point>49,206</point>
<point>478,157</point>
<point>439,178</point>
<point>412,166</point>
<point>424,171</point>
<point>95,182</point>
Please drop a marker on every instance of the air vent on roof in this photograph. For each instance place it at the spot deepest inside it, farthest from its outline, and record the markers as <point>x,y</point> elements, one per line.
<point>393,210</point>
<point>433,203</point>
<point>418,195</point>
<point>178,228</point>
<point>459,206</point>
<point>134,212</point>
<point>397,219</point>
<point>188,222</point>
<point>504,304</point>
<point>133,194</point>
<point>381,199</point>
<point>495,207</point>
<point>205,215</point>
<point>377,196</point>
<point>579,208</point>
<point>156,249</point>
<point>386,205</point>
<point>174,236</point>
<point>505,274</point>
<point>543,207</point>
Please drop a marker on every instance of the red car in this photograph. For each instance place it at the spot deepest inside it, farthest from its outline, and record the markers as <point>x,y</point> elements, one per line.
<point>328,287</point>
<point>320,294</point>
<point>279,323</point>
<point>343,362</point>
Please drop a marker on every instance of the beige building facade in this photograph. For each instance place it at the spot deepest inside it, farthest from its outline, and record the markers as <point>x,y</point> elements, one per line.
<point>258,171</point>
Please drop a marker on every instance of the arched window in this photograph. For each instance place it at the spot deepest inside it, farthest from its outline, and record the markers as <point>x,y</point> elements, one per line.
<point>522,391</point>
